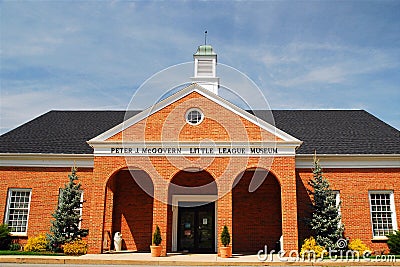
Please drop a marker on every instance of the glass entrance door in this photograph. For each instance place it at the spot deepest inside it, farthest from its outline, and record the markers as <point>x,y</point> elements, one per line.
<point>196,230</point>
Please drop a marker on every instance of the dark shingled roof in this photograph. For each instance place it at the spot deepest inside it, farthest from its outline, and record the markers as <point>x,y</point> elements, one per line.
<point>338,131</point>
<point>64,132</point>
<point>327,131</point>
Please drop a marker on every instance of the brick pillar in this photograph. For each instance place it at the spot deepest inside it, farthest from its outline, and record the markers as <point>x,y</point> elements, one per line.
<point>99,198</point>
<point>95,237</point>
<point>289,213</point>
<point>108,216</point>
<point>224,208</point>
<point>160,208</point>
<point>224,216</point>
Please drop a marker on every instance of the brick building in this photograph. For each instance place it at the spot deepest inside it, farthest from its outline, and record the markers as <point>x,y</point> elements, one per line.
<point>195,162</point>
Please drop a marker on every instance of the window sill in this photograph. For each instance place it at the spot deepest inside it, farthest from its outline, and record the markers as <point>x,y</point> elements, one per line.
<point>380,238</point>
<point>19,234</point>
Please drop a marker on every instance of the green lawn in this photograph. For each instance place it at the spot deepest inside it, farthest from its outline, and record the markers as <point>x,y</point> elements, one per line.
<point>13,252</point>
<point>385,257</point>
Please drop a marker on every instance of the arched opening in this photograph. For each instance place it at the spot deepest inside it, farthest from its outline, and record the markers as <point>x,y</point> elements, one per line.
<point>257,212</point>
<point>129,209</point>
<point>192,215</point>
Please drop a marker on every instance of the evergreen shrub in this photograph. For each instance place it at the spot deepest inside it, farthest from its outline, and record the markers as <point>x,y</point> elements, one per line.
<point>5,238</point>
<point>225,236</point>
<point>15,247</point>
<point>325,220</point>
<point>66,224</point>
<point>157,236</point>
<point>394,242</point>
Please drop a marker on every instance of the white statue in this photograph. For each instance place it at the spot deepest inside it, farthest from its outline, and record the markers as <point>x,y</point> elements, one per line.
<point>117,241</point>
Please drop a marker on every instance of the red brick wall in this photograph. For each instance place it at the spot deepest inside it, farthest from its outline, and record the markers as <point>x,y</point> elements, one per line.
<point>354,185</point>
<point>192,183</point>
<point>45,184</point>
<point>257,217</point>
<point>113,200</point>
<point>219,124</point>
<point>169,124</point>
<point>303,207</point>
<point>222,169</point>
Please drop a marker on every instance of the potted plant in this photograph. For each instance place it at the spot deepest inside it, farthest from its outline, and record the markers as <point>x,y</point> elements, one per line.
<point>156,248</point>
<point>226,250</point>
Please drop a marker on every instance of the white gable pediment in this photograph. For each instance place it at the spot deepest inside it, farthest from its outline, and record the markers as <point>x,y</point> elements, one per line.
<point>101,144</point>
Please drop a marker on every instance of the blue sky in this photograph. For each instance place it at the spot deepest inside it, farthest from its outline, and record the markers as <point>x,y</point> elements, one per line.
<point>301,54</point>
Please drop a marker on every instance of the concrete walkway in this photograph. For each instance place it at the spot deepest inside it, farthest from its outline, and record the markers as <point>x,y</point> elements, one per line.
<point>175,259</point>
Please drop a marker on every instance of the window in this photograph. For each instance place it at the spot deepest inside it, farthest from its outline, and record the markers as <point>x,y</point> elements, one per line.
<point>383,215</point>
<point>337,199</point>
<point>194,116</point>
<point>336,194</point>
<point>17,213</point>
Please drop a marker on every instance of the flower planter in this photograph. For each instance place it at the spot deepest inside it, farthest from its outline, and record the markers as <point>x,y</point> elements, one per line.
<point>225,252</point>
<point>155,251</point>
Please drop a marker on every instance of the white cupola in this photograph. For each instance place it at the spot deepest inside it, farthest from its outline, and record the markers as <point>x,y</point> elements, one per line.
<point>205,68</point>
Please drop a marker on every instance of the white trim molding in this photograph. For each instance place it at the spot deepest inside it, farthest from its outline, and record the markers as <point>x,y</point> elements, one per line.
<point>191,198</point>
<point>217,149</point>
<point>283,149</point>
<point>46,160</point>
<point>363,161</point>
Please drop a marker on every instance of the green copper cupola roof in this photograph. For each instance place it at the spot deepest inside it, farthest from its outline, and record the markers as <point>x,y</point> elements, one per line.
<point>205,50</point>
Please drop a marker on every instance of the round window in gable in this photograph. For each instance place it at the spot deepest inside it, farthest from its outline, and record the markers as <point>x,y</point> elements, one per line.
<point>194,116</point>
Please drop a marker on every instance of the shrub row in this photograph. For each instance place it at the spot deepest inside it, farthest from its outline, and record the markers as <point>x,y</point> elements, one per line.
<point>40,243</point>
<point>312,249</point>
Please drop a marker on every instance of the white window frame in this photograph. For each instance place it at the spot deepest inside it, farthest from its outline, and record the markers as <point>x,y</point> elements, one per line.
<point>6,218</point>
<point>392,208</point>
<point>80,208</point>
<point>194,110</point>
<point>337,200</point>
<point>338,205</point>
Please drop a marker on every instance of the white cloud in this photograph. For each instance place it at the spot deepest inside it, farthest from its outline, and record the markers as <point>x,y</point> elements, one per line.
<point>28,102</point>
<point>92,49</point>
<point>301,64</point>
<point>342,70</point>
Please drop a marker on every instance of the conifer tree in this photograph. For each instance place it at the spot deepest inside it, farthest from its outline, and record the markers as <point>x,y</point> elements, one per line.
<point>65,226</point>
<point>225,236</point>
<point>325,220</point>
